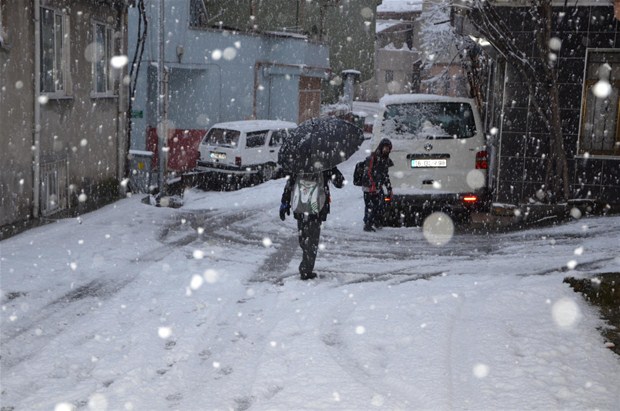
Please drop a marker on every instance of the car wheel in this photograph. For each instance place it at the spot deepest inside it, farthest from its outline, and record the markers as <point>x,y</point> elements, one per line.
<point>462,218</point>
<point>267,172</point>
<point>230,183</point>
<point>391,217</point>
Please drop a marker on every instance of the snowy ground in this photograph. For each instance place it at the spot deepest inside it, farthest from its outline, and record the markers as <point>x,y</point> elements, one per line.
<point>134,307</point>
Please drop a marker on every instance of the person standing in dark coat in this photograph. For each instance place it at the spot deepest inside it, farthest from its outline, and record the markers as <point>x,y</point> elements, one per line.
<point>376,184</point>
<point>308,196</point>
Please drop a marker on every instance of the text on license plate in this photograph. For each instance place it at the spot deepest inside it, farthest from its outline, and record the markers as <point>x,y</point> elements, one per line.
<point>219,156</point>
<point>428,162</point>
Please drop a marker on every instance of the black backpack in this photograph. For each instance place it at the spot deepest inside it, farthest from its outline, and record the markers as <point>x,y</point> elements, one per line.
<point>358,173</point>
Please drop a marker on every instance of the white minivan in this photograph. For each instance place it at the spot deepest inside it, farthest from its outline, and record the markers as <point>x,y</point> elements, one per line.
<point>245,150</point>
<point>439,153</point>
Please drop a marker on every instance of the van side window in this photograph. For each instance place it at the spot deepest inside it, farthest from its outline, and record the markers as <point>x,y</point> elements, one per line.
<point>277,137</point>
<point>255,139</point>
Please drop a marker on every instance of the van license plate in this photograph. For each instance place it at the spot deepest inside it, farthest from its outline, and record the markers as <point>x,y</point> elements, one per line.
<point>429,162</point>
<point>218,156</point>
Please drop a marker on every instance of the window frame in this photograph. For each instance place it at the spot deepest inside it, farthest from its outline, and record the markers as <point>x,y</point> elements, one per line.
<point>60,78</point>
<point>587,86</point>
<point>100,64</point>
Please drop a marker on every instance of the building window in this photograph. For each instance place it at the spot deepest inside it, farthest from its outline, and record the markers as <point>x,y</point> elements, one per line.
<point>600,123</point>
<point>54,190</point>
<point>102,54</point>
<point>55,73</point>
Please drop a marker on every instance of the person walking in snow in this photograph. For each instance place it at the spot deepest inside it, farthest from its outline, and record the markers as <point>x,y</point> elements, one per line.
<point>376,184</point>
<point>308,196</point>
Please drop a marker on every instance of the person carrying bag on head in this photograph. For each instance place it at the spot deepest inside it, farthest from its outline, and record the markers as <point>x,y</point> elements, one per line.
<point>309,198</point>
<point>376,184</point>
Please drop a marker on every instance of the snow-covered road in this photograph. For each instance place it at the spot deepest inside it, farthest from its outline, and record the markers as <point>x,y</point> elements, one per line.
<point>134,307</point>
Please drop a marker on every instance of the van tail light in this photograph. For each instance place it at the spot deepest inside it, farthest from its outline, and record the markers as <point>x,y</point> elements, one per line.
<point>238,161</point>
<point>470,199</point>
<point>482,160</point>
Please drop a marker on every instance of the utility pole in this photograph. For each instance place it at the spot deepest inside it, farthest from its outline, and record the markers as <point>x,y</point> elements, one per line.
<point>162,129</point>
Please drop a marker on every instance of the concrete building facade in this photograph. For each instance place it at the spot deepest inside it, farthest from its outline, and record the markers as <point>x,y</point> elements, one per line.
<point>62,71</point>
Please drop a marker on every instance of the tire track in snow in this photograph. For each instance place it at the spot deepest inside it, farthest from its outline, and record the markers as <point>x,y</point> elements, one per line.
<point>75,303</point>
<point>276,264</point>
<point>237,229</point>
<point>230,347</point>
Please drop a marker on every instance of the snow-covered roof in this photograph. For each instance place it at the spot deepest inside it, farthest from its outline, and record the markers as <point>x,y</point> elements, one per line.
<point>417,98</point>
<point>255,125</point>
<point>399,6</point>
<point>382,25</point>
<point>286,34</point>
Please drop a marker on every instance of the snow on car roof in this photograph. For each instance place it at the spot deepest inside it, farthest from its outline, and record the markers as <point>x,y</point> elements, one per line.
<point>417,98</point>
<point>255,125</point>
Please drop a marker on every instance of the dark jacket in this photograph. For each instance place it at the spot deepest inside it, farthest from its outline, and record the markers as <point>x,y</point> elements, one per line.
<point>334,176</point>
<point>376,171</point>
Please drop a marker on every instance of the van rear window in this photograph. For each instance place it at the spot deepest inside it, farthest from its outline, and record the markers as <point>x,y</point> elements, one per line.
<point>429,120</point>
<point>222,137</point>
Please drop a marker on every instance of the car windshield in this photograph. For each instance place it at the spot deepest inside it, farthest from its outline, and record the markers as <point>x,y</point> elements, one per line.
<point>222,137</point>
<point>429,120</point>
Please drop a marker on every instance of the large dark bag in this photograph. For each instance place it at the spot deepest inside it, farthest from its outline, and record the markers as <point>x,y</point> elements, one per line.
<point>358,173</point>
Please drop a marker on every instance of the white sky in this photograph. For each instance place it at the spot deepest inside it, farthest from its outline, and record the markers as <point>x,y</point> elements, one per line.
<point>134,307</point>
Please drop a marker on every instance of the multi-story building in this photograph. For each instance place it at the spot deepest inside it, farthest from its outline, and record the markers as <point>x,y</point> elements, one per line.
<point>415,51</point>
<point>586,52</point>
<point>62,105</point>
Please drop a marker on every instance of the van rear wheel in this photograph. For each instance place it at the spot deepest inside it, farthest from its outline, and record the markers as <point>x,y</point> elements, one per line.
<point>267,172</point>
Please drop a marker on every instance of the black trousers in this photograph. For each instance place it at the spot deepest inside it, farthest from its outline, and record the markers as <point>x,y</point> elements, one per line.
<point>373,209</point>
<point>309,231</point>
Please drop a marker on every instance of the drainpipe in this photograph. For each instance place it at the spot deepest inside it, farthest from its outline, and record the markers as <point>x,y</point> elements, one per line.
<point>121,123</point>
<point>501,127</point>
<point>36,161</point>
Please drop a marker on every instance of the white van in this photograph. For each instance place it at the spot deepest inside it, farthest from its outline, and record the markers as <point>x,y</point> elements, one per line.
<point>439,153</point>
<point>243,150</point>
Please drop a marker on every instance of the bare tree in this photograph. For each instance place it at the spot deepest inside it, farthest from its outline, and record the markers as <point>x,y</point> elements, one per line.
<point>440,45</point>
<point>541,74</point>
<point>437,35</point>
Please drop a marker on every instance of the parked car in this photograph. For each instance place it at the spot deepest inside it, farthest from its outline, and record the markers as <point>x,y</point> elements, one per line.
<point>439,153</point>
<point>240,151</point>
